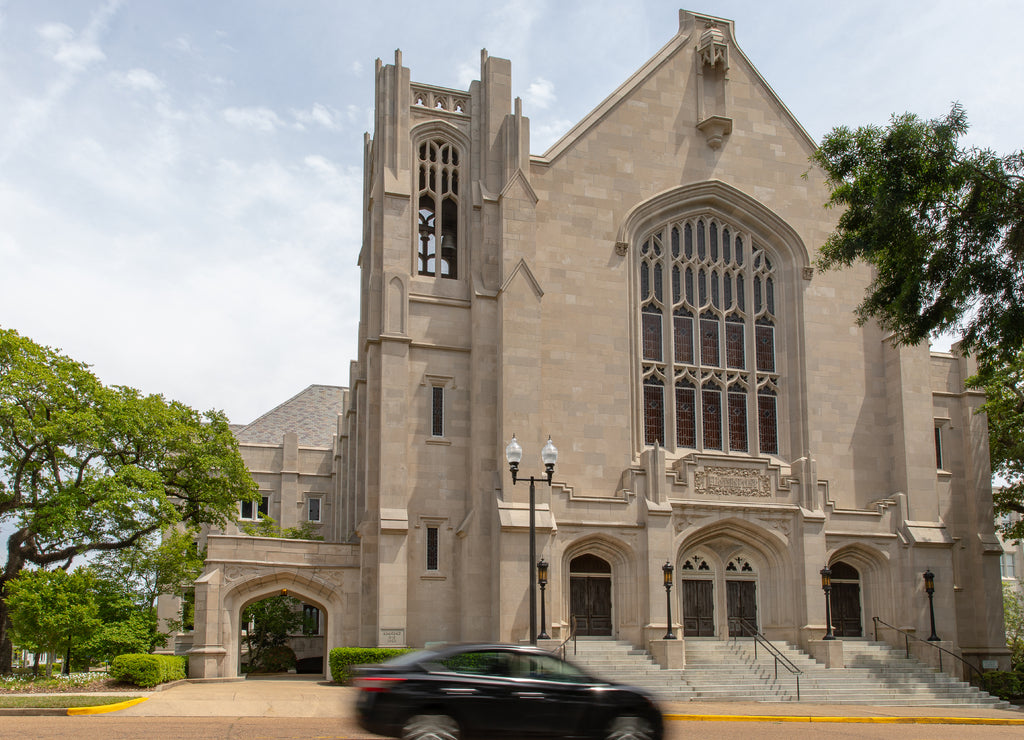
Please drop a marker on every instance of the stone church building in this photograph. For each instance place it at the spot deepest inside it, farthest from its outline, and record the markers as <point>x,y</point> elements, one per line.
<point>645,294</point>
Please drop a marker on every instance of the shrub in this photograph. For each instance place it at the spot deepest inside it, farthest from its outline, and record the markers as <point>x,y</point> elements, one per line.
<point>277,659</point>
<point>147,670</point>
<point>1004,684</point>
<point>343,658</point>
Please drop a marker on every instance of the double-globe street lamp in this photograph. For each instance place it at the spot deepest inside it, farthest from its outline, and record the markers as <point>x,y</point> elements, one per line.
<point>548,455</point>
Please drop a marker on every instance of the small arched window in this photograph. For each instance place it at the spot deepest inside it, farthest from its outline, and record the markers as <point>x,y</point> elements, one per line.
<point>438,202</point>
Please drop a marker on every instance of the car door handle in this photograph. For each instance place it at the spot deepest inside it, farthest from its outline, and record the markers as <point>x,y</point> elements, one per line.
<point>459,692</point>
<point>528,694</point>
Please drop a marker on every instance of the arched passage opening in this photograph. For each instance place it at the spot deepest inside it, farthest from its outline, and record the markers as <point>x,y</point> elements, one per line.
<point>281,633</point>
<point>316,606</point>
<point>845,600</point>
<point>590,595</point>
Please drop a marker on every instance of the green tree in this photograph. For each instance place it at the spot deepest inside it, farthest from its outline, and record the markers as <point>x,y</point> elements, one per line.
<point>1002,379</point>
<point>137,575</point>
<point>942,225</point>
<point>268,527</point>
<point>89,468</point>
<point>53,611</point>
<point>268,624</point>
<point>1013,612</point>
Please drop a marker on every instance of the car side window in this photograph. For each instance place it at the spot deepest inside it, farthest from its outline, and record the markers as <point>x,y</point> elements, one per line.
<point>486,663</point>
<point>547,668</point>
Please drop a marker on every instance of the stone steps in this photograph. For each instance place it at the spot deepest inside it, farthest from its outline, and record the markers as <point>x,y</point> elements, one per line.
<point>719,670</point>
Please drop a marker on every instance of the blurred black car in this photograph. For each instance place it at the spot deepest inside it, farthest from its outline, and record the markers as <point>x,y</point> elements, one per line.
<point>493,691</point>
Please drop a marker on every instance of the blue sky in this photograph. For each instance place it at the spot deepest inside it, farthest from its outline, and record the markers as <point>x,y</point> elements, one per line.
<point>180,181</point>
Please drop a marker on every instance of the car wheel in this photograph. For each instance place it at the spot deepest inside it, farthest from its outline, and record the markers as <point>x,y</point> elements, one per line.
<point>430,727</point>
<point>630,727</point>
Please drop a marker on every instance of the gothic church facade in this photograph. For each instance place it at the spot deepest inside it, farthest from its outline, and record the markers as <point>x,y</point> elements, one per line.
<point>645,294</point>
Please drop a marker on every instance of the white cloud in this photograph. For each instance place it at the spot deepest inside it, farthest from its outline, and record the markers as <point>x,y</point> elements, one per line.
<point>540,93</point>
<point>138,79</point>
<point>356,68</point>
<point>319,115</point>
<point>257,119</point>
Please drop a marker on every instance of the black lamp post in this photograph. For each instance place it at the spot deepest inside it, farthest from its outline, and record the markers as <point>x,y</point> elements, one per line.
<point>542,579</point>
<point>929,587</point>
<point>826,586</point>
<point>548,455</point>
<point>666,571</point>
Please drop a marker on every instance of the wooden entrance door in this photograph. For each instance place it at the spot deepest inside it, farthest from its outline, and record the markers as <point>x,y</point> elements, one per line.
<point>591,604</point>
<point>846,610</point>
<point>741,600</point>
<point>698,609</point>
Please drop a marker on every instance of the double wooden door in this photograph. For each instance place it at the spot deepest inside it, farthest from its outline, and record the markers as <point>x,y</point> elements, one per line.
<point>846,610</point>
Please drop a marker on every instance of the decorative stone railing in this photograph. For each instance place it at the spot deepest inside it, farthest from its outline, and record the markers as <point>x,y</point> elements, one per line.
<point>436,98</point>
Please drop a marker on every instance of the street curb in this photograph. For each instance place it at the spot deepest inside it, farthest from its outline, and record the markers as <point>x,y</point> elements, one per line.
<point>847,720</point>
<point>104,708</point>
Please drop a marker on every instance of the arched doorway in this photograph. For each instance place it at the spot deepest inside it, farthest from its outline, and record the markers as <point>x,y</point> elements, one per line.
<point>845,600</point>
<point>590,595</point>
<point>698,587</point>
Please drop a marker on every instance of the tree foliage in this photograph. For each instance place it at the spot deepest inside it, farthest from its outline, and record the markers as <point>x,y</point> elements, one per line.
<point>269,624</point>
<point>1002,379</point>
<point>1013,613</point>
<point>86,467</point>
<point>942,225</point>
<point>268,527</point>
<point>52,610</point>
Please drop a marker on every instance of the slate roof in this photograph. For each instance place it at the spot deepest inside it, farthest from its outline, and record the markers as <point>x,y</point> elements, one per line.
<point>311,414</point>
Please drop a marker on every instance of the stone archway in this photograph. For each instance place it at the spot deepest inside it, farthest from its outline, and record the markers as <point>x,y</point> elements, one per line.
<point>321,574</point>
<point>610,571</point>
<point>874,581</point>
<point>749,570</point>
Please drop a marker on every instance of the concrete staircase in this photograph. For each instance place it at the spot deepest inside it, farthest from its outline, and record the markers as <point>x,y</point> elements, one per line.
<point>718,670</point>
<point>618,661</point>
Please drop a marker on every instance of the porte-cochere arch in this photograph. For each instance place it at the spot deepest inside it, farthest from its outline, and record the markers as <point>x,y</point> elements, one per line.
<point>320,574</point>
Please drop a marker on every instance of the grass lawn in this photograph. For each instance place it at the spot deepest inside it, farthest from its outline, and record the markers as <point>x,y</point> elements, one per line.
<point>60,702</point>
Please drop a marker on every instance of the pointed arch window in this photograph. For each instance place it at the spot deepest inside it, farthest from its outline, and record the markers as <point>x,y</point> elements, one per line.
<point>716,286</point>
<point>438,201</point>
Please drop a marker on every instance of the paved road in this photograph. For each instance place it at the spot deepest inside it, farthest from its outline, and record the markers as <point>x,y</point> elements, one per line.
<point>282,709</point>
<point>113,727</point>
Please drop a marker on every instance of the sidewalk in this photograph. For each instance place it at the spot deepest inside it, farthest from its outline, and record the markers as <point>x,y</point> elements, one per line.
<point>307,697</point>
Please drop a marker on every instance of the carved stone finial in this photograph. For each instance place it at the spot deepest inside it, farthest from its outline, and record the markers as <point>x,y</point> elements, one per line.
<point>713,48</point>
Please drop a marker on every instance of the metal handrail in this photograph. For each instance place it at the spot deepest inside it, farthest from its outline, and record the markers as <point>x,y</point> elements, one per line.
<point>772,650</point>
<point>907,637</point>
<point>560,650</point>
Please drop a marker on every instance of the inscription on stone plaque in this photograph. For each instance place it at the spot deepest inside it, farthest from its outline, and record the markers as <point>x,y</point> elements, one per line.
<point>733,482</point>
<point>392,637</point>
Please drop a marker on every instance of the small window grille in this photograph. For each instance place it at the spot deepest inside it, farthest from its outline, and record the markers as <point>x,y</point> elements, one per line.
<point>938,448</point>
<point>314,509</point>
<point>432,548</point>
<point>437,411</point>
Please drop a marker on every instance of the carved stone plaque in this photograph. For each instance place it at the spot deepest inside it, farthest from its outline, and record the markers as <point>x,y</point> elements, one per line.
<point>394,637</point>
<point>733,482</point>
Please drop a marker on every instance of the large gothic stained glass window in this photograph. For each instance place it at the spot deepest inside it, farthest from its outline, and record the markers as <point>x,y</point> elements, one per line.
<point>707,329</point>
<point>438,178</point>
